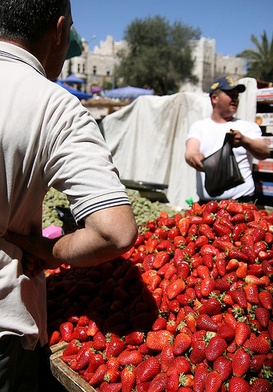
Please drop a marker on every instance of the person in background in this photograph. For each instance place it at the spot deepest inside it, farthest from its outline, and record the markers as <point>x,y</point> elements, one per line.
<point>207,136</point>
<point>48,139</point>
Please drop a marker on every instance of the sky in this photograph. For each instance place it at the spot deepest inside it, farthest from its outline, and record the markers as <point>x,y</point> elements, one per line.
<point>230,23</point>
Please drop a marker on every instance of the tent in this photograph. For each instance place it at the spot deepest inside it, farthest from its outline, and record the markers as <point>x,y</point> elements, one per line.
<point>73,79</point>
<point>77,93</point>
<point>127,92</point>
<point>75,47</point>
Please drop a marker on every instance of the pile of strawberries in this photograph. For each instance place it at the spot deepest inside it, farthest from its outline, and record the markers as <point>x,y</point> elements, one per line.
<point>188,308</point>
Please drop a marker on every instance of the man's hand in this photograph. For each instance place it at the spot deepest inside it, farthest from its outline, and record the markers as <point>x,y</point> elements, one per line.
<point>257,147</point>
<point>193,155</point>
<point>37,252</point>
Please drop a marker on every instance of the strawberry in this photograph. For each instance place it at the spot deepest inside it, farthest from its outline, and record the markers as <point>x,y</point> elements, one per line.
<point>128,378</point>
<point>258,344</point>
<point>215,348</point>
<point>66,330</point>
<point>226,331</point>
<point>213,382</point>
<point>256,363</point>
<point>151,278</point>
<point>156,340</point>
<point>176,287</point>
<point>239,297</point>
<point>159,383</point>
<point>161,258</point>
<point>184,225</point>
<point>54,338</point>
<point>180,364</point>
<point>152,243</point>
<point>205,229</point>
<point>80,333</point>
<point>205,322</point>
<point>210,307</point>
<point>220,230</point>
<point>260,385</point>
<point>207,286</point>
<point>111,376</point>
<point>200,374</point>
<point>166,358</point>
<point>96,360</point>
<point>173,382</point>
<point>242,333</point>
<point>223,366</point>
<point>181,343</point>
<point>238,384</point>
<point>240,362</point>
<point>147,369</point>
<point>263,316</point>
<point>130,357</point>
<point>84,357</point>
<point>198,352</point>
<point>114,345</point>
<point>252,293</point>
<point>235,208</point>
<point>99,341</point>
<point>98,376</point>
<point>185,380</point>
<point>73,347</point>
<point>113,387</point>
<point>266,299</point>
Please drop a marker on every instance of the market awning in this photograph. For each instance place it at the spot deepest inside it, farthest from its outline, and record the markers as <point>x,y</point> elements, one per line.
<point>75,48</point>
<point>128,92</point>
<point>73,79</point>
<point>77,93</point>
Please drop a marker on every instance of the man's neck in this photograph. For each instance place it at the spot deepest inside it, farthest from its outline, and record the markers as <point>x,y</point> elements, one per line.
<point>216,117</point>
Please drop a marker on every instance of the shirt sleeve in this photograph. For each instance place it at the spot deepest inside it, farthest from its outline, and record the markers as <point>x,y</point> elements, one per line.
<point>79,163</point>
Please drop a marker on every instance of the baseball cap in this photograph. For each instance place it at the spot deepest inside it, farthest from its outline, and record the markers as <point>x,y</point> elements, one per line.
<point>226,83</point>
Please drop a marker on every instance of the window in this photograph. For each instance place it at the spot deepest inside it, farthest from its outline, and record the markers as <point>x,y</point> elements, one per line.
<point>94,70</point>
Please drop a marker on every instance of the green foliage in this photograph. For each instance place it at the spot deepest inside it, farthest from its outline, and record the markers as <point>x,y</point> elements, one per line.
<point>158,56</point>
<point>260,59</point>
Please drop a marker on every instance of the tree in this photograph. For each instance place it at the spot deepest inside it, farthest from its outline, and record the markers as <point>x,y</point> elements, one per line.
<point>260,59</point>
<point>157,55</point>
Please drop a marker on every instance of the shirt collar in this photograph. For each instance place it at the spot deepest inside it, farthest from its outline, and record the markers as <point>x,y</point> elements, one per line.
<point>22,55</point>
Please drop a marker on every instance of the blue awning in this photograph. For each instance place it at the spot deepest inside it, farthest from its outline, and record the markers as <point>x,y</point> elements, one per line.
<point>77,93</point>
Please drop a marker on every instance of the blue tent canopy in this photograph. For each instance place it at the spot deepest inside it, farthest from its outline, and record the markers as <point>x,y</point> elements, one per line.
<point>128,92</point>
<point>77,93</point>
<point>73,79</point>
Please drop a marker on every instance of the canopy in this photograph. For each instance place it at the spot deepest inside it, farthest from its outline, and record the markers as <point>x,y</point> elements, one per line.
<point>77,93</point>
<point>75,47</point>
<point>128,92</point>
<point>96,89</point>
<point>73,79</point>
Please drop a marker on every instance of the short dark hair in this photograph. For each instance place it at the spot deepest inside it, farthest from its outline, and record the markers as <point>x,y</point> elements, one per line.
<point>29,20</point>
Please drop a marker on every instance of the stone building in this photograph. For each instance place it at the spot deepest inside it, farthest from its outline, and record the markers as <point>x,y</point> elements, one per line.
<point>97,67</point>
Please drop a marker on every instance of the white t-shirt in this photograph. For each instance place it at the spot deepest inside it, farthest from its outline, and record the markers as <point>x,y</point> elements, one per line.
<point>47,139</point>
<point>211,136</point>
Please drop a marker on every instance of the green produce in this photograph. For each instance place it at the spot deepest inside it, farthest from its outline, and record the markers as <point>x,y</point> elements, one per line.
<point>143,208</point>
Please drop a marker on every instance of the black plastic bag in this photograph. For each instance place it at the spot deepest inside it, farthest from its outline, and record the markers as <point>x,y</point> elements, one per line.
<point>221,169</point>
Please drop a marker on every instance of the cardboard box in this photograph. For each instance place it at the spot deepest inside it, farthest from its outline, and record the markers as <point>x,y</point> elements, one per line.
<point>266,165</point>
<point>264,188</point>
<point>265,94</point>
<point>264,119</point>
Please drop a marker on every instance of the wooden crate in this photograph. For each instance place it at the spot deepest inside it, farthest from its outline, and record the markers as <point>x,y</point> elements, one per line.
<point>66,376</point>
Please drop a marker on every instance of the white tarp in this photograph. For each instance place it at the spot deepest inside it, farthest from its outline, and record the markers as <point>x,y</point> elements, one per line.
<point>147,140</point>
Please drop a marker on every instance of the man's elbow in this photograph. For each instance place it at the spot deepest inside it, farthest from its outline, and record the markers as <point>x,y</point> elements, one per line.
<point>127,237</point>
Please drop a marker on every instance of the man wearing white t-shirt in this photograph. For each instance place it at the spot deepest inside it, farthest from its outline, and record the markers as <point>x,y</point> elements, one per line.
<point>207,136</point>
